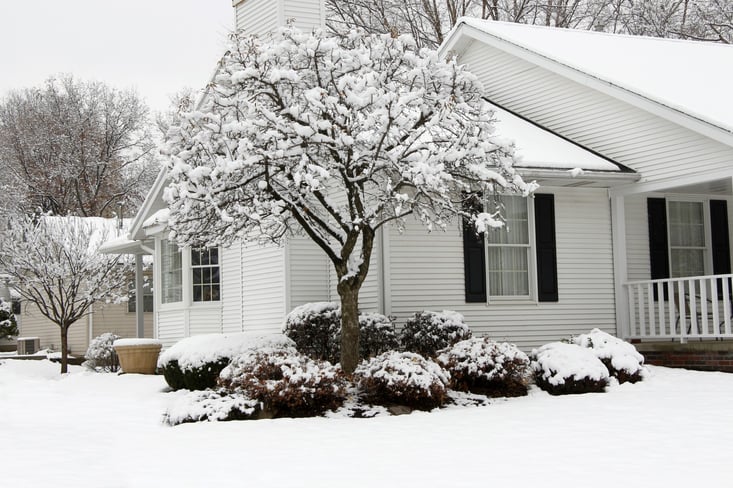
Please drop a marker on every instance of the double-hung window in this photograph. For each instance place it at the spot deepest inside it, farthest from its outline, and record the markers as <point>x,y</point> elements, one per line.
<point>171,268</point>
<point>687,243</point>
<point>205,274</point>
<point>508,250</point>
<point>518,260</point>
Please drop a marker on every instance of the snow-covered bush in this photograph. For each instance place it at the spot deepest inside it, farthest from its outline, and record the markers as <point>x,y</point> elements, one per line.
<point>427,332</point>
<point>101,355</point>
<point>194,363</point>
<point>211,406</point>
<point>621,358</point>
<point>8,326</point>
<point>286,382</point>
<point>376,335</point>
<point>480,365</point>
<point>315,329</point>
<point>403,378</point>
<point>562,369</point>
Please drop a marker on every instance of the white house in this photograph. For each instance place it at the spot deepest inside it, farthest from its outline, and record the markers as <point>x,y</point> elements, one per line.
<point>631,140</point>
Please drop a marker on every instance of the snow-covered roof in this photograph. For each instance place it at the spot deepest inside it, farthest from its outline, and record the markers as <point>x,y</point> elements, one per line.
<point>539,148</point>
<point>691,77</point>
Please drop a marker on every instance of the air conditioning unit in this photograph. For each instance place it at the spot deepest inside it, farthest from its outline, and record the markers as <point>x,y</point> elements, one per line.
<point>28,345</point>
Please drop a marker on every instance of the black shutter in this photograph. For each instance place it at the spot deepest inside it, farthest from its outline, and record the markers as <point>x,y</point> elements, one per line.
<point>474,264</point>
<point>720,240</point>
<point>658,245</point>
<point>544,214</point>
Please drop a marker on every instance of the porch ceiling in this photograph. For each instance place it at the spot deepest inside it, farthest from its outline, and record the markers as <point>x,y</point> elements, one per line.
<point>723,186</point>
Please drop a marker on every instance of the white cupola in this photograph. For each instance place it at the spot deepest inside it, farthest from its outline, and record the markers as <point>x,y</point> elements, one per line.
<point>262,16</point>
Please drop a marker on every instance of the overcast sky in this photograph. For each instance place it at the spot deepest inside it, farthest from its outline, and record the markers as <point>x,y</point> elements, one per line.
<point>154,46</point>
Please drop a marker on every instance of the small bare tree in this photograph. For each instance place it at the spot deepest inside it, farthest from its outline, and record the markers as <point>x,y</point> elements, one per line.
<point>54,264</point>
<point>74,147</point>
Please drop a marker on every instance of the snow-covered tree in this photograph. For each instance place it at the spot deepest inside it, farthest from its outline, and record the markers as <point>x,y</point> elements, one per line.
<point>54,265</point>
<point>8,326</point>
<point>75,147</point>
<point>334,137</point>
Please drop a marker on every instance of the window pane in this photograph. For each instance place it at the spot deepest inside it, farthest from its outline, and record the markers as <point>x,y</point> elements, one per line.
<point>508,271</point>
<point>171,273</point>
<point>214,256</point>
<point>516,216</point>
<point>688,262</point>
<point>686,224</point>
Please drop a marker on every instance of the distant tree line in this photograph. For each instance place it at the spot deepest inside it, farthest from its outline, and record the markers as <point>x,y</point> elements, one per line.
<point>72,147</point>
<point>429,21</point>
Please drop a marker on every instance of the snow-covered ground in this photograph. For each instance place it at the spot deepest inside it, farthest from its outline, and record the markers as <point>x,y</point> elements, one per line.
<point>102,430</point>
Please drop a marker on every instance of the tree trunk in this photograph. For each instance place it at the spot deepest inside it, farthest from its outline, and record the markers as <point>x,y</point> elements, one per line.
<point>349,292</point>
<point>64,349</point>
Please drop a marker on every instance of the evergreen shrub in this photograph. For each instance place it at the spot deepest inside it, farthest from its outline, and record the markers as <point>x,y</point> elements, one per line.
<point>486,367</point>
<point>427,332</point>
<point>286,382</point>
<point>402,378</point>
<point>562,369</point>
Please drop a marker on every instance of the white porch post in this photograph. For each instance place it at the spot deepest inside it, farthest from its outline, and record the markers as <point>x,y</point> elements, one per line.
<point>618,230</point>
<point>139,298</point>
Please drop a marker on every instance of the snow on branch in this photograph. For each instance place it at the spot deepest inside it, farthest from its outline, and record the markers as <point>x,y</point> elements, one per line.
<point>333,137</point>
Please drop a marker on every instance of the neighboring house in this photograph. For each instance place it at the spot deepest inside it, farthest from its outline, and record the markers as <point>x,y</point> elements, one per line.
<point>631,140</point>
<point>119,318</point>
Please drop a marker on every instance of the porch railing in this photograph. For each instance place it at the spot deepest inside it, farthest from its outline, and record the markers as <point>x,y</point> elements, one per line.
<point>681,308</point>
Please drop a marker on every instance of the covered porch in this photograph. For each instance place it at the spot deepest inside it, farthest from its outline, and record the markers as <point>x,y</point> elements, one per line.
<point>673,260</point>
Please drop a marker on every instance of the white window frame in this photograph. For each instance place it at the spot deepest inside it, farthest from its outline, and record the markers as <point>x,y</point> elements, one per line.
<point>707,249</point>
<point>164,243</point>
<point>192,284</point>
<point>186,302</point>
<point>531,247</point>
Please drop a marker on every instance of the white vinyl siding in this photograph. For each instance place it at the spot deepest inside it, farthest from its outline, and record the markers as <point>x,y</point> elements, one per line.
<point>262,16</point>
<point>306,14</point>
<point>426,273</point>
<point>653,146</point>
<point>309,272</point>
<point>231,288</point>
<point>637,238</point>
<point>171,326</point>
<point>263,287</point>
<point>257,16</point>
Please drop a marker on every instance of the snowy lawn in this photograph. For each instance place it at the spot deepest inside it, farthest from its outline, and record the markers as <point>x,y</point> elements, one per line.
<point>674,429</point>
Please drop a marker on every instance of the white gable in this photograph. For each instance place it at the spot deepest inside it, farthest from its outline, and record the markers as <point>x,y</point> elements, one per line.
<point>692,77</point>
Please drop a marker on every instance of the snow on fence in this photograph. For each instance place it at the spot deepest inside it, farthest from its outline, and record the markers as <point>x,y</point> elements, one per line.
<point>681,308</point>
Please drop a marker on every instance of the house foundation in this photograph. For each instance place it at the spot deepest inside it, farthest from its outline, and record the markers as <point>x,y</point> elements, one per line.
<point>701,356</point>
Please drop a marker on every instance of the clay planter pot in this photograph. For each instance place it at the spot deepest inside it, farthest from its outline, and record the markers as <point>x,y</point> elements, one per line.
<point>138,355</point>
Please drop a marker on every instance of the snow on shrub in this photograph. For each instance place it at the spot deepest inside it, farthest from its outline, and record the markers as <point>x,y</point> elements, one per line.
<point>211,406</point>
<point>621,358</point>
<point>480,365</point>
<point>316,330</point>
<point>427,332</point>
<point>286,382</point>
<point>376,335</point>
<point>194,363</point>
<point>101,354</point>
<point>315,327</point>
<point>403,378</point>
<point>562,369</point>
